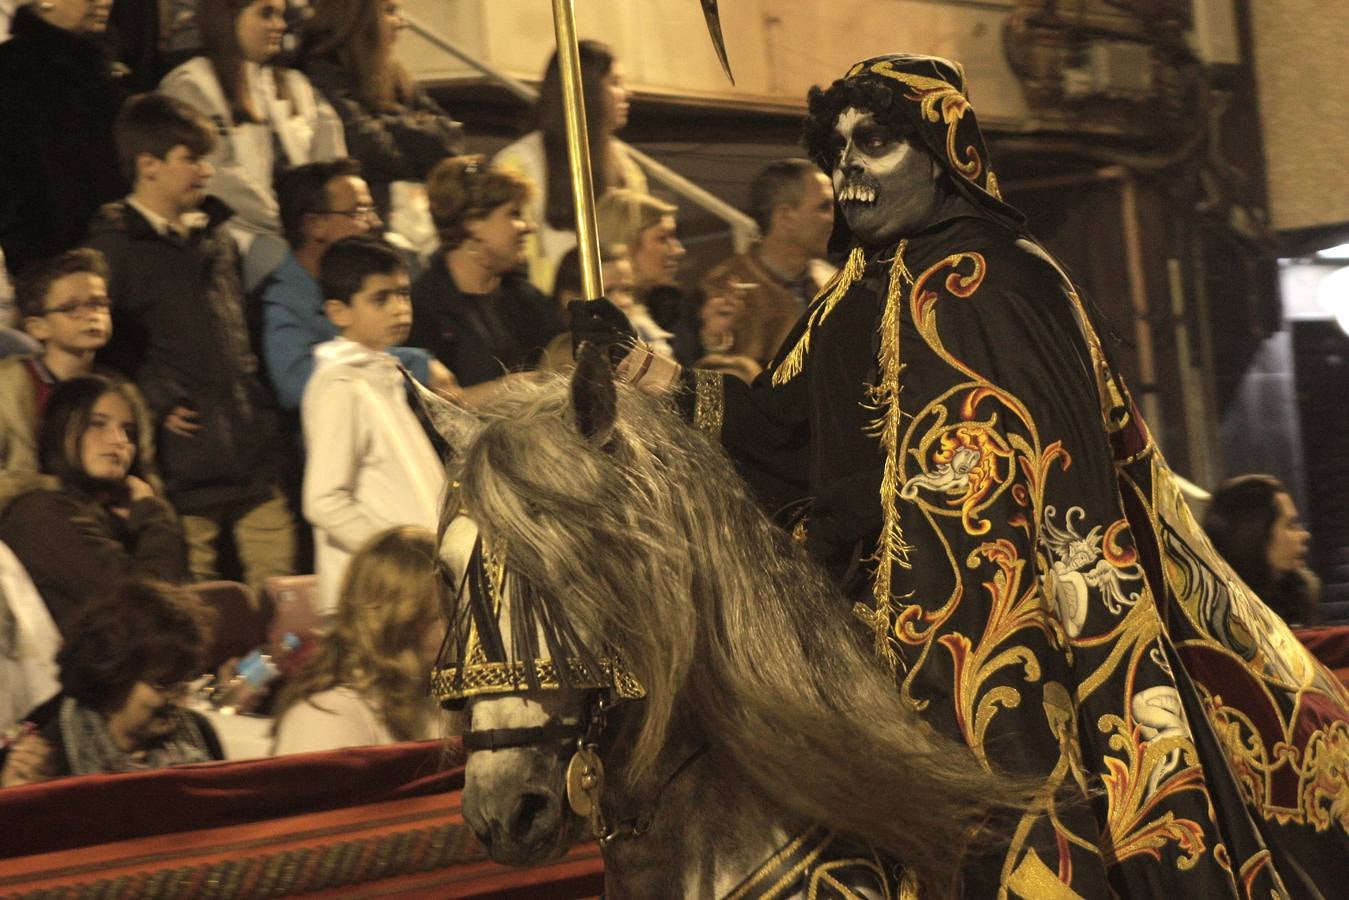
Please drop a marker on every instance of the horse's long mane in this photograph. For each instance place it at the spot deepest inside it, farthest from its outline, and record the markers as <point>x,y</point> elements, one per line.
<point>653,542</point>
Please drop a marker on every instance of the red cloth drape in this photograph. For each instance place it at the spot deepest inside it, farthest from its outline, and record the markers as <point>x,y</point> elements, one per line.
<point>97,809</point>
<point>1329,644</point>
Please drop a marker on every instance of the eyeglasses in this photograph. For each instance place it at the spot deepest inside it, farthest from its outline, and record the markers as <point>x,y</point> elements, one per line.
<point>363,212</point>
<point>81,308</point>
<point>171,688</point>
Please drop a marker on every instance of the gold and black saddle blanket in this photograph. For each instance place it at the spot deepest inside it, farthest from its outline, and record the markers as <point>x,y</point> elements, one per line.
<point>818,865</point>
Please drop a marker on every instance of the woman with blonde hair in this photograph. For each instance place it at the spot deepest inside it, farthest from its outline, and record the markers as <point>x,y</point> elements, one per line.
<point>269,117</point>
<point>396,131</point>
<point>471,307</point>
<point>701,328</point>
<point>366,682</point>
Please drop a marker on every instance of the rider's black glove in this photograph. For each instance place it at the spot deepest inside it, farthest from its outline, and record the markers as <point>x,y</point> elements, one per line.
<point>602,324</point>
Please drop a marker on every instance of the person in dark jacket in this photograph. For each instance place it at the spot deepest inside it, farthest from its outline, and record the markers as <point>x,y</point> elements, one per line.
<point>58,99</point>
<point>125,669</point>
<point>396,131</point>
<point>95,518</point>
<point>178,313</point>
<point>473,308</point>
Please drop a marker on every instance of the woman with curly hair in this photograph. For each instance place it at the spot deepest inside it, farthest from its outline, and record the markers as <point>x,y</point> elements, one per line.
<point>126,665</point>
<point>366,682</point>
<point>471,307</point>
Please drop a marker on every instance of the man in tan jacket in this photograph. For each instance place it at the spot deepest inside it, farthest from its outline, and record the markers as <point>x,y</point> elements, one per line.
<point>793,204</point>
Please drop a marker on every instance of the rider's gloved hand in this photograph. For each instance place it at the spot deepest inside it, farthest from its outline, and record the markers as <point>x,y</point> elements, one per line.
<point>602,324</point>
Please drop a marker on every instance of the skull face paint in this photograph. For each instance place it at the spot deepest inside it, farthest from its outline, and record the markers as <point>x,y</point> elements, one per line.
<point>887,188</point>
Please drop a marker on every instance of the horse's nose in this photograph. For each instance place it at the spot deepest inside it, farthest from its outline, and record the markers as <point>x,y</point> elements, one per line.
<point>533,812</point>
<point>512,825</point>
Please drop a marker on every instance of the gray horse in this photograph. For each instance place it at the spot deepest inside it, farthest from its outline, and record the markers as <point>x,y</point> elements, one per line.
<point>644,656</point>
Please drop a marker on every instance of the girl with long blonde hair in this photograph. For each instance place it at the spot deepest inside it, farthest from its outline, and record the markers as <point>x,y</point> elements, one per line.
<point>366,683</point>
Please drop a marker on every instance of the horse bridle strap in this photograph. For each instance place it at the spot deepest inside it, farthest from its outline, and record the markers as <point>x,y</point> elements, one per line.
<point>639,825</point>
<point>508,738</point>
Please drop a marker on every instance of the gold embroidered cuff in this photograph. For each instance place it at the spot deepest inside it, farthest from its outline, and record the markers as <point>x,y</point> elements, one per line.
<point>709,405</point>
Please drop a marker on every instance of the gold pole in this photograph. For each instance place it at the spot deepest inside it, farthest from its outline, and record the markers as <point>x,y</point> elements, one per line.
<point>578,149</point>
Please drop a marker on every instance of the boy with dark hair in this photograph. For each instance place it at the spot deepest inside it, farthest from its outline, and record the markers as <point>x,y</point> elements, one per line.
<point>63,301</point>
<point>370,465</point>
<point>157,125</point>
<point>179,311</point>
<point>321,203</point>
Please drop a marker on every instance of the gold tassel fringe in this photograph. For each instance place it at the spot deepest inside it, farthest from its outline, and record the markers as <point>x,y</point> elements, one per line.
<point>831,294</point>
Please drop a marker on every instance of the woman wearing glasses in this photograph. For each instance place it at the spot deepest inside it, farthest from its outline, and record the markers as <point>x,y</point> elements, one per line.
<point>125,669</point>
<point>269,118</point>
<point>95,519</point>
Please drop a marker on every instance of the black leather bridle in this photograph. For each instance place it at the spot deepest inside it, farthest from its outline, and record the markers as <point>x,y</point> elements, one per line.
<point>586,735</point>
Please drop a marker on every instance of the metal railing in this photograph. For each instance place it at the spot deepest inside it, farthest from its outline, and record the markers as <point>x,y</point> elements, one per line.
<point>743,229</point>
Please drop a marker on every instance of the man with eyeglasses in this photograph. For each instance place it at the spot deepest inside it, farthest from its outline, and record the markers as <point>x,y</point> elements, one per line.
<point>321,203</point>
<point>65,307</point>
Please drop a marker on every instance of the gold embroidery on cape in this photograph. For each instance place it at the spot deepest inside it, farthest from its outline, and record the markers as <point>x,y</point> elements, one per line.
<point>1322,795</point>
<point>785,867</point>
<point>939,101</point>
<point>821,307</point>
<point>1032,878</point>
<point>1134,793</point>
<point>709,405</point>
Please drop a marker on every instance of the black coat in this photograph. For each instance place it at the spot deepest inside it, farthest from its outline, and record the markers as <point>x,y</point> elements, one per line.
<point>480,337</point>
<point>179,334</point>
<point>58,162</point>
<point>400,144</point>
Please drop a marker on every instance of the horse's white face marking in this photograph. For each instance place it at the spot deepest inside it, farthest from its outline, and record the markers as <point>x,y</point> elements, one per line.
<point>514,799</point>
<point>456,545</point>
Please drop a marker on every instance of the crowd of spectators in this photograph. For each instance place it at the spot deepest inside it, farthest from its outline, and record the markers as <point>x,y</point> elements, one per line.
<point>231,227</point>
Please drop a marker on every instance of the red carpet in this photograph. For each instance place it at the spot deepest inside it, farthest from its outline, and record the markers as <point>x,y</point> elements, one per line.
<point>373,822</point>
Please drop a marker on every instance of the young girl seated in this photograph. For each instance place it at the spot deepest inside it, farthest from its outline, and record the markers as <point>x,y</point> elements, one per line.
<point>97,519</point>
<point>366,682</point>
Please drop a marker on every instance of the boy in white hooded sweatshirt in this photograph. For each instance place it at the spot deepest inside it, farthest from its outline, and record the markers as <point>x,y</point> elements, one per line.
<point>369,464</point>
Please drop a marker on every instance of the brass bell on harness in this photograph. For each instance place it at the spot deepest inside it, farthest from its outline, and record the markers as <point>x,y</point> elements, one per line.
<point>585,780</point>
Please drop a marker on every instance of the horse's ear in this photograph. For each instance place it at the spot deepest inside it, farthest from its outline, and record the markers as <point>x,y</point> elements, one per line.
<point>452,422</point>
<point>594,399</point>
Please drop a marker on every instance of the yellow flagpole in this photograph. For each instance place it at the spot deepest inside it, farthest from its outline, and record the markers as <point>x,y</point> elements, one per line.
<point>578,149</point>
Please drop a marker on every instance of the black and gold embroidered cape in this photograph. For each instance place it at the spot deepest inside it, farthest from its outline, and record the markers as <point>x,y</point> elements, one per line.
<point>1015,542</point>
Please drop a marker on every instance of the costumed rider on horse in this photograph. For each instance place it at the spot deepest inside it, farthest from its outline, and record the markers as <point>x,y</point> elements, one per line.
<point>983,489</point>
